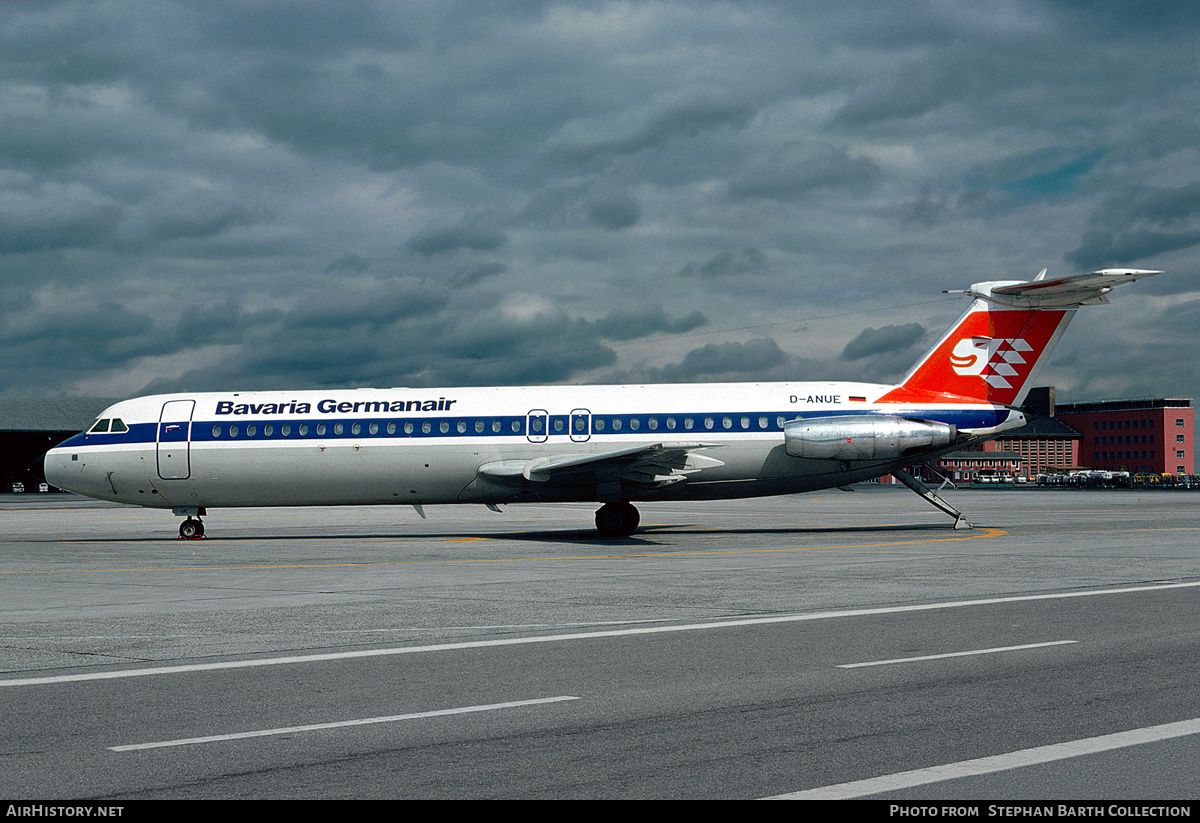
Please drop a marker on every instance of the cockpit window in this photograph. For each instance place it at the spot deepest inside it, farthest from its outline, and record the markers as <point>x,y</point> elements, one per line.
<point>101,426</point>
<point>118,425</point>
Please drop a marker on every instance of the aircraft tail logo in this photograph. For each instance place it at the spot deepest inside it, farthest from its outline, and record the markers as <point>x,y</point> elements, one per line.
<point>996,361</point>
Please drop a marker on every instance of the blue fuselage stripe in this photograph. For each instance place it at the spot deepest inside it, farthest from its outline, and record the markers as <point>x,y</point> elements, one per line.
<point>640,426</point>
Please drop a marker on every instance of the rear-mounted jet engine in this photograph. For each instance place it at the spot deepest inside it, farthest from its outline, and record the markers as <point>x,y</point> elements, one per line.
<point>864,437</point>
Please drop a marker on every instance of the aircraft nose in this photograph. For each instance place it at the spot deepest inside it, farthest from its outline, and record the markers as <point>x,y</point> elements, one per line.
<point>38,468</point>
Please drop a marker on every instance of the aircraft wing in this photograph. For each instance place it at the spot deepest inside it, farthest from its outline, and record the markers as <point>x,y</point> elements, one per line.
<point>652,466</point>
<point>1066,292</point>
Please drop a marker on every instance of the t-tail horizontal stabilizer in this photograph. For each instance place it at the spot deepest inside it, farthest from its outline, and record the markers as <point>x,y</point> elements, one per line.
<point>1061,293</point>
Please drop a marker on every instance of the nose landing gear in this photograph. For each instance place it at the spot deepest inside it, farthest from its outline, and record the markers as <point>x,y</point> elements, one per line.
<point>191,529</point>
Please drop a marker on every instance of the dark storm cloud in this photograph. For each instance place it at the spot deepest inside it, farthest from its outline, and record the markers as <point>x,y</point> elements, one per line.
<point>366,303</point>
<point>791,178</point>
<point>194,217</point>
<point>224,322</point>
<point>205,194</point>
<point>1139,224</point>
<point>57,226</point>
<point>474,273</point>
<point>453,238</point>
<point>886,340</point>
<point>582,203</point>
<point>631,324</point>
<point>885,354</point>
<point>677,116</point>
<point>717,360</point>
<point>349,264</point>
<point>70,340</point>
<point>614,212</point>
<point>729,263</point>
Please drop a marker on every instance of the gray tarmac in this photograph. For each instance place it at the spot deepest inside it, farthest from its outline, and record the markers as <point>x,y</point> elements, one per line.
<point>739,649</point>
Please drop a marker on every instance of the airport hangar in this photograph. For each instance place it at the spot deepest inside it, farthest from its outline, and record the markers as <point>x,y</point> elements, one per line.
<point>31,426</point>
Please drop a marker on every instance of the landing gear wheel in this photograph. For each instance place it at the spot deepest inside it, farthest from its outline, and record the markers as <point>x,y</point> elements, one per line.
<point>617,520</point>
<point>191,529</point>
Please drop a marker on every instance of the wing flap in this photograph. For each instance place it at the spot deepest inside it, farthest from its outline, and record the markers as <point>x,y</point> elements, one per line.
<point>654,465</point>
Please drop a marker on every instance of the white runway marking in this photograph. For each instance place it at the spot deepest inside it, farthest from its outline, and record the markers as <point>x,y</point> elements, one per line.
<point>189,741</point>
<point>555,638</point>
<point>955,654</point>
<point>998,763</point>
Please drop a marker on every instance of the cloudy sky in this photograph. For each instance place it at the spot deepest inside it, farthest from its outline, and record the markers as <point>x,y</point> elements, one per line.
<point>216,195</point>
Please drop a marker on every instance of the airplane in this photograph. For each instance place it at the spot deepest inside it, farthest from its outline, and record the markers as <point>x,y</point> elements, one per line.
<point>614,445</point>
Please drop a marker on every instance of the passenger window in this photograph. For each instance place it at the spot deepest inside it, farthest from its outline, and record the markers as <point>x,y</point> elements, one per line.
<point>286,429</point>
<point>251,430</point>
<point>337,428</point>
<point>216,431</point>
<point>356,429</point>
<point>320,430</point>
<point>479,427</point>
<point>233,430</point>
<point>303,430</point>
<point>426,427</point>
<point>391,428</point>
<point>462,427</point>
<point>496,426</point>
<point>268,430</point>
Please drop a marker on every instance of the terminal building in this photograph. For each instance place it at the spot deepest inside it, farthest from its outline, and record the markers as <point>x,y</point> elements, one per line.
<point>1142,436</point>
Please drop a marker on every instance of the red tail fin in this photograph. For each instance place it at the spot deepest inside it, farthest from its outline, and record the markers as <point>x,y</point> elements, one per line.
<point>988,354</point>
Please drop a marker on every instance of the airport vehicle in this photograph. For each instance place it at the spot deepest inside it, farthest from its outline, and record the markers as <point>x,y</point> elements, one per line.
<point>614,445</point>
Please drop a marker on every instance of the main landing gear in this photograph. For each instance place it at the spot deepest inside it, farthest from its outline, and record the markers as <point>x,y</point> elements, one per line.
<point>617,519</point>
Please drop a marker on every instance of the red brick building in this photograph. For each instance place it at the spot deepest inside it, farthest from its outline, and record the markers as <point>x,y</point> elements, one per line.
<point>1149,435</point>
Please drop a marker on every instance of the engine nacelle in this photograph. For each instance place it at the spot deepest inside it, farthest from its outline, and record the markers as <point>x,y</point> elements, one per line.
<point>864,437</point>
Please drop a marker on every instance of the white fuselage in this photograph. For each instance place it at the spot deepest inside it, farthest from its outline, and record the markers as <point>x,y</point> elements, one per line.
<point>424,446</point>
